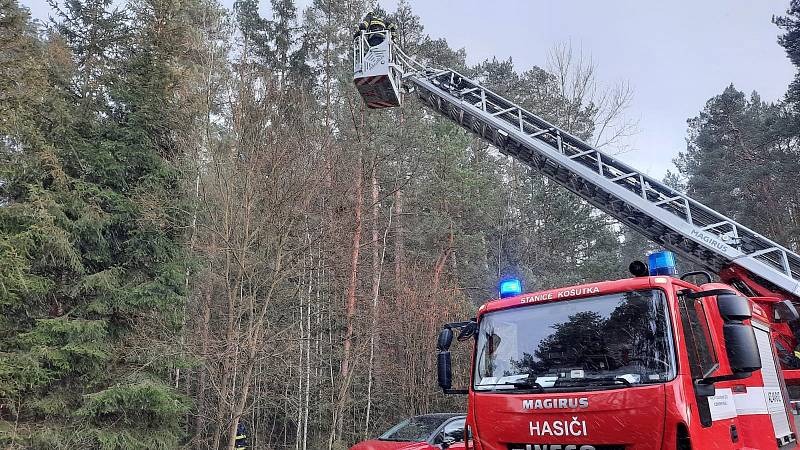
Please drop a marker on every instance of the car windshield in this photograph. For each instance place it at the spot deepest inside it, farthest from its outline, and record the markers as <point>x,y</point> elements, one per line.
<point>603,342</point>
<point>415,429</point>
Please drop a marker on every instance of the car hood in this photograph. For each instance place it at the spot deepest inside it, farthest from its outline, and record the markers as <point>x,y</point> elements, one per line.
<point>375,444</point>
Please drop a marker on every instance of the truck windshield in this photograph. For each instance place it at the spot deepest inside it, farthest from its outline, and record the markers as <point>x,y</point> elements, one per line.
<point>603,342</point>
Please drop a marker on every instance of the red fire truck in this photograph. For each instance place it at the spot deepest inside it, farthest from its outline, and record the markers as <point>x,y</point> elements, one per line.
<point>655,361</point>
<point>649,362</point>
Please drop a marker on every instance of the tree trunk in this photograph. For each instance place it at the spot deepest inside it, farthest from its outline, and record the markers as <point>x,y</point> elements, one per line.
<point>350,310</point>
<point>378,254</point>
<point>440,263</point>
<point>241,400</point>
<point>205,324</point>
<point>398,237</point>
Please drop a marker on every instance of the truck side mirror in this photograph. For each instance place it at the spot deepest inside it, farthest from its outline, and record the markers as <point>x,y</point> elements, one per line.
<point>733,308</point>
<point>741,346</point>
<point>740,340</point>
<point>445,339</point>
<point>444,371</point>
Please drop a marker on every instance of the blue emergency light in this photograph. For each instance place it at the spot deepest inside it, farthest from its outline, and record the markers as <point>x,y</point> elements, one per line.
<point>510,287</point>
<point>662,263</point>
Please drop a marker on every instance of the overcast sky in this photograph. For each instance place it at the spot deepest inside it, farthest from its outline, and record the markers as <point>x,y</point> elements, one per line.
<point>675,54</point>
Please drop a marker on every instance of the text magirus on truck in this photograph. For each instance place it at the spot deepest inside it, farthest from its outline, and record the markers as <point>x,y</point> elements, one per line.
<point>652,361</point>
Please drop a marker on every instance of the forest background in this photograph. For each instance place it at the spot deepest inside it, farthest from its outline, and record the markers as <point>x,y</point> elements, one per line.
<point>200,222</point>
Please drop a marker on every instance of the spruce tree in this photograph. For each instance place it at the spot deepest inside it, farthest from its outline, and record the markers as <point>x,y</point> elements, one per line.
<point>90,235</point>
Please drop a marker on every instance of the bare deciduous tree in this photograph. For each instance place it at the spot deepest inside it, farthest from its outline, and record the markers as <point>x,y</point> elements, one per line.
<point>582,93</point>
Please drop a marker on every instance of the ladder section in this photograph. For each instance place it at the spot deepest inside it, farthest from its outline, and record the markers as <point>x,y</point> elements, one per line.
<point>664,215</point>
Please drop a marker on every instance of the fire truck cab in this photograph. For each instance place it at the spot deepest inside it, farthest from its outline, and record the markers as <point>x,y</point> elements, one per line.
<point>650,362</point>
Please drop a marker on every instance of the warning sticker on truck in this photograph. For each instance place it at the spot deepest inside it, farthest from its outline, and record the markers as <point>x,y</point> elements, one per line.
<point>722,405</point>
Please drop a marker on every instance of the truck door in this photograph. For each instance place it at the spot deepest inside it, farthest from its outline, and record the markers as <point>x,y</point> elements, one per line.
<point>774,391</point>
<point>713,416</point>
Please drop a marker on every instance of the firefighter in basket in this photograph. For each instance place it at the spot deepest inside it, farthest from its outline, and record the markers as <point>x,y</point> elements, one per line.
<point>373,22</point>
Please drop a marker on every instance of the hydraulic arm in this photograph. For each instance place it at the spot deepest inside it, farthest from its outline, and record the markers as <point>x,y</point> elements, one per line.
<point>739,255</point>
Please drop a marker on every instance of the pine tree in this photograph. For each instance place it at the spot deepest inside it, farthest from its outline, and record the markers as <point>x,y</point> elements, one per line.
<point>276,43</point>
<point>790,41</point>
<point>740,162</point>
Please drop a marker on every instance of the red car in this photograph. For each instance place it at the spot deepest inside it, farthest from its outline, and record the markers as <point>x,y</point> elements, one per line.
<point>427,432</point>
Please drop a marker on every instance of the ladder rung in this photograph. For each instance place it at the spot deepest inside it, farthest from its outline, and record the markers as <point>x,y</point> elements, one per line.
<point>668,200</point>
<point>437,74</point>
<point>622,177</point>
<point>764,252</point>
<point>785,263</point>
<point>583,153</point>
<point>541,132</point>
<point>498,113</point>
<point>715,225</point>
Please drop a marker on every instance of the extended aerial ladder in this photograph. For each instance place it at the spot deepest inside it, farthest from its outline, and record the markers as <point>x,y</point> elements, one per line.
<point>740,256</point>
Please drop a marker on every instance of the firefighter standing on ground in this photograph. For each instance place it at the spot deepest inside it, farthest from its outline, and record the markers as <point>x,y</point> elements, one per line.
<point>241,437</point>
<point>373,22</point>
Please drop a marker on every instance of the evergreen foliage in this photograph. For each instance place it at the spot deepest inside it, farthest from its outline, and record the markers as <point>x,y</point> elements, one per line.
<point>740,154</point>
<point>91,246</point>
<point>790,40</point>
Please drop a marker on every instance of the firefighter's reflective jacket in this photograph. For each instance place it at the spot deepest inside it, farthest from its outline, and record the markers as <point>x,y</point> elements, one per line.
<point>373,22</point>
<point>241,437</point>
